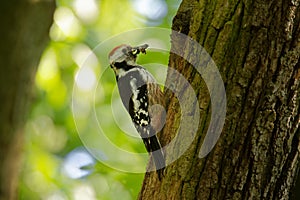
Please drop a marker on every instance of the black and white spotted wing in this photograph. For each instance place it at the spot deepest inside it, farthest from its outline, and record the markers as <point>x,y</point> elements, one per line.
<point>133,89</point>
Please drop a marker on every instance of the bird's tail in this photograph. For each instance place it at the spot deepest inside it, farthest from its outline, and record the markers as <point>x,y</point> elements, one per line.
<point>154,148</point>
<point>159,160</point>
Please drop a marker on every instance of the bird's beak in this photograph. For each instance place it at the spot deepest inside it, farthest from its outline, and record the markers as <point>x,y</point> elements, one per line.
<point>142,48</point>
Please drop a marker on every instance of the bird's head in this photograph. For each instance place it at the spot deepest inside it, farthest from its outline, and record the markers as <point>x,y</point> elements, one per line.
<point>123,57</point>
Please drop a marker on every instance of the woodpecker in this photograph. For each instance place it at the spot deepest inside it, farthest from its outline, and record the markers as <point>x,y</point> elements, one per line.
<point>142,98</point>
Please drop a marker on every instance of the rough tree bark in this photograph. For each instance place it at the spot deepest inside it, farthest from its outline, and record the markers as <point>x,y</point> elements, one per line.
<point>24,34</point>
<point>256,46</point>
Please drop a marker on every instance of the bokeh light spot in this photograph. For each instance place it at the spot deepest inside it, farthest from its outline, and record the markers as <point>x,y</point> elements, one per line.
<point>85,79</point>
<point>86,10</point>
<point>75,161</point>
<point>66,23</point>
<point>152,9</point>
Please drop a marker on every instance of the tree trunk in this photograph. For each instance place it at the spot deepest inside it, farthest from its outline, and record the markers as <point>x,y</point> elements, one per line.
<point>24,34</point>
<point>256,46</point>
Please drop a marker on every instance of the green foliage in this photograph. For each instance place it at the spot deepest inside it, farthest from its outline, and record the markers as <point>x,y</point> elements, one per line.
<point>51,135</point>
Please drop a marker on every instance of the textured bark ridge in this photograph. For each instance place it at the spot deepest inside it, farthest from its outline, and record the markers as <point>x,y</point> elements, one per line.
<point>256,46</point>
<point>24,34</point>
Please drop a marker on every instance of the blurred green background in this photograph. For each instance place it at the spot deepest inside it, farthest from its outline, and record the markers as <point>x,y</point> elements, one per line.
<point>57,165</point>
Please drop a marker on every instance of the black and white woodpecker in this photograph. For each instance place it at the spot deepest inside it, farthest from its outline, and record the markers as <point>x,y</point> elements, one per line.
<point>142,98</point>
